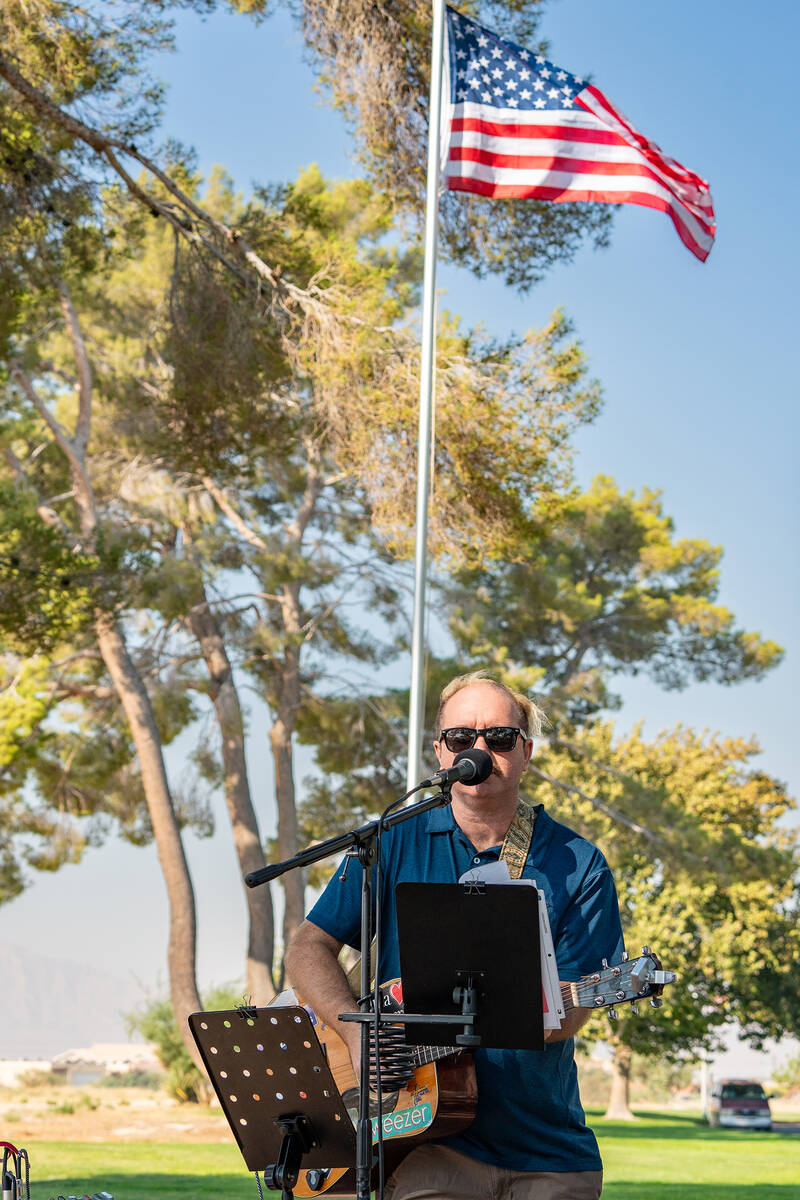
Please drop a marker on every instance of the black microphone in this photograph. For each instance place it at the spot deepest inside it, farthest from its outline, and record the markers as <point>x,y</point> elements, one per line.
<point>470,766</point>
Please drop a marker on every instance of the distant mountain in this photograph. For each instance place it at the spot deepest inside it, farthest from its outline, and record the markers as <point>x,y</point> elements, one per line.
<point>52,1004</point>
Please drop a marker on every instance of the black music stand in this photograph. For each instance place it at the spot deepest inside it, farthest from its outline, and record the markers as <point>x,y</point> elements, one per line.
<point>276,1089</point>
<point>471,948</point>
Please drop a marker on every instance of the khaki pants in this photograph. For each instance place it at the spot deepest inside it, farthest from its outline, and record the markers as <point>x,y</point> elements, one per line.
<point>439,1173</point>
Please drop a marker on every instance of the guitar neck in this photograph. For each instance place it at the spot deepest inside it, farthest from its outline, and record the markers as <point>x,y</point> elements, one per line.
<point>628,981</point>
<point>427,1054</point>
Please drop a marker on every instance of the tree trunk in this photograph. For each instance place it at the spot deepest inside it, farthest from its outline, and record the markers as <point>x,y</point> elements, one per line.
<point>246,839</point>
<point>280,736</point>
<point>133,695</point>
<point>287,700</point>
<point>181,954</point>
<point>619,1100</point>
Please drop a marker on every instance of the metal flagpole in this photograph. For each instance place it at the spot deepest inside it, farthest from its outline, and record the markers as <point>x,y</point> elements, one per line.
<point>416,706</point>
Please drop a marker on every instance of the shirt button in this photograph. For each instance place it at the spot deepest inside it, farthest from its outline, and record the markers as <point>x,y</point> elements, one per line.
<point>477,858</point>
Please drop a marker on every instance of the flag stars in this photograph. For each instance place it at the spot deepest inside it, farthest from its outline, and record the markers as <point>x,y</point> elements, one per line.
<point>491,71</point>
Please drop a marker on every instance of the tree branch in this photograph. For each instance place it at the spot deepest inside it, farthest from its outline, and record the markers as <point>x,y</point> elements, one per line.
<point>83,424</point>
<point>106,146</point>
<point>48,514</point>
<point>220,496</point>
<point>613,813</point>
<point>63,439</point>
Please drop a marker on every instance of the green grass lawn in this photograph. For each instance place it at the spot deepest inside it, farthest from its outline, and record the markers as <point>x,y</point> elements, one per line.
<point>661,1156</point>
<point>671,1156</point>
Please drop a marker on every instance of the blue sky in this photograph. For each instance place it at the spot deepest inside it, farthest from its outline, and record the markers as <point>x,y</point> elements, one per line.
<point>699,365</point>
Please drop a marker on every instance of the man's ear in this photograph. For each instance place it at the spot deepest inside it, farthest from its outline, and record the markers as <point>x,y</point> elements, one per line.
<point>436,750</point>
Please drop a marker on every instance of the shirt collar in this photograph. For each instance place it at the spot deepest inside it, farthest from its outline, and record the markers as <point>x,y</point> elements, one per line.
<point>440,820</point>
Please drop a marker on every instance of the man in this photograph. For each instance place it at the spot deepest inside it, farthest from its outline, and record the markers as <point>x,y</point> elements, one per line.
<point>528,1140</point>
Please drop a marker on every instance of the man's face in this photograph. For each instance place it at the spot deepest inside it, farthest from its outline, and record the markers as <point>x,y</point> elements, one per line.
<point>479,706</point>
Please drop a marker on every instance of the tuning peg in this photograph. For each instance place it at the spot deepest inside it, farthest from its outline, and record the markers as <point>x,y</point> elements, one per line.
<point>635,1009</point>
<point>656,1002</point>
<point>612,1014</point>
<point>625,956</point>
<point>646,950</point>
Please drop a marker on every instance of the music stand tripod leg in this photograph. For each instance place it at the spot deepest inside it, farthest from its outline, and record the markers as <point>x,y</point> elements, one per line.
<point>298,1138</point>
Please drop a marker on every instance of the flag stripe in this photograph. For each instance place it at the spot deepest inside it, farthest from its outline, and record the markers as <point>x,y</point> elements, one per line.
<point>597,103</point>
<point>551,186</point>
<point>700,247</point>
<point>597,181</point>
<point>581,129</point>
<point>534,165</point>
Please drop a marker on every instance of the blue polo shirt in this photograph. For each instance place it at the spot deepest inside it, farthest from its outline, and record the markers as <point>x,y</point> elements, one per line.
<point>529,1115</point>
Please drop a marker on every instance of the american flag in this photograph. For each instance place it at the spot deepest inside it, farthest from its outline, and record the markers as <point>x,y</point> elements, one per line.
<point>520,127</point>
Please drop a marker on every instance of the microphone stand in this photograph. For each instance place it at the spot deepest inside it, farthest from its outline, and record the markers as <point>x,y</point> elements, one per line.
<point>361,843</point>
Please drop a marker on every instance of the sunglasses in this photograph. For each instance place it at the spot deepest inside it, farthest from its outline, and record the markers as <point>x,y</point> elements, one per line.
<point>500,738</point>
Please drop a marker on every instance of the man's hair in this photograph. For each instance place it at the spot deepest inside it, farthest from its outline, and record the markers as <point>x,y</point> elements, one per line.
<point>531,718</point>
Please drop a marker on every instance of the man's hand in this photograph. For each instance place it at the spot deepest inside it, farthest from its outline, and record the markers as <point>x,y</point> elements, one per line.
<point>574,1019</point>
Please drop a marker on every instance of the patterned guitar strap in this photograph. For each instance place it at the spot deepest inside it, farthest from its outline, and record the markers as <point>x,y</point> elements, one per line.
<point>514,852</point>
<point>516,847</point>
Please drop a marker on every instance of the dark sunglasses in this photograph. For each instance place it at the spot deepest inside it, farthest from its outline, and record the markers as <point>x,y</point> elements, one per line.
<point>500,738</point>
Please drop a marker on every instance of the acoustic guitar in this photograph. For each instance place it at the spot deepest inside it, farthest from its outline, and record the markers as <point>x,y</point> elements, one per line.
<point>430,1091</point>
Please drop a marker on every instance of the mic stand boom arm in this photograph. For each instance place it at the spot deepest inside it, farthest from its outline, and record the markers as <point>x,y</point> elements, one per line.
<point>344,841</point>
<point>362,842</point>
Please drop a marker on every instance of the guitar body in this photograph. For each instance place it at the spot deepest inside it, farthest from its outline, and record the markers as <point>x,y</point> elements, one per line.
<point>438,1100</point>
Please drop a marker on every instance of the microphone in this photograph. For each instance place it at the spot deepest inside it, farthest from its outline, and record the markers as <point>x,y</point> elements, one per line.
<point>470,766</point>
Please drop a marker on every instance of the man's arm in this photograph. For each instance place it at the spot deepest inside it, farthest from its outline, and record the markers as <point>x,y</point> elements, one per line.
<point>312,964</point>
<point>574,1019</point>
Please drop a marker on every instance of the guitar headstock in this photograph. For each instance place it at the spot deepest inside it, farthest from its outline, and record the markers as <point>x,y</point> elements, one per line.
<point>630,980</point>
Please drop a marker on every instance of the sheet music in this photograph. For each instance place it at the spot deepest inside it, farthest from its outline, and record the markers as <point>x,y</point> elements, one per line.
<point>552,1003</point>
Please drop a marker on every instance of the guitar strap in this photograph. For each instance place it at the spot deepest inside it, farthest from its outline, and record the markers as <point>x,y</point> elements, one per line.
<point>516,847</point>
<point>514,852</point>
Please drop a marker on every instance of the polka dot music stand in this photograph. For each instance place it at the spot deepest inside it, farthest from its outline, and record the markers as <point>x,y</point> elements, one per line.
<point>276,1089</point>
